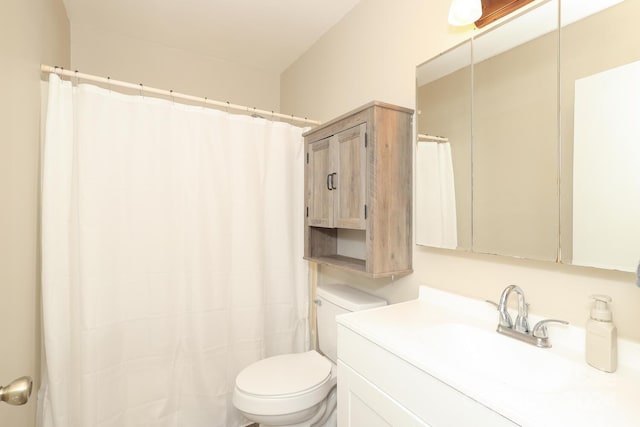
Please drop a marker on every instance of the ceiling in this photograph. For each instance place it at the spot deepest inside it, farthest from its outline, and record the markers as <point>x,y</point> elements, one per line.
<point>266,34</point>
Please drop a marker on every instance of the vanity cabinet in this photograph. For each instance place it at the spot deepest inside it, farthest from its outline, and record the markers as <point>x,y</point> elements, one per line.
<point>437,361</point>
<point>364,404</point>
<point>358,180</point>
<point>378,388</point>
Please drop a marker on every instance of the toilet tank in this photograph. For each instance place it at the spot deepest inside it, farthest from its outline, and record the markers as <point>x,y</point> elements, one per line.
<point>335,299</point>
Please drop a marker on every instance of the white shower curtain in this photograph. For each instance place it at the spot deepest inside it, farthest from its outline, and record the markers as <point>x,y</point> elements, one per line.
<point>171,257</point>
<point>436,224</point>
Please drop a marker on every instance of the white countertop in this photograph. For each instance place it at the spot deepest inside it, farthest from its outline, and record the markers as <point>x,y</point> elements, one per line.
<point>575,395</point>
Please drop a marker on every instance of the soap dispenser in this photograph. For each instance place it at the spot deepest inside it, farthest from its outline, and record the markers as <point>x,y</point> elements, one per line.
<point>602,336</point>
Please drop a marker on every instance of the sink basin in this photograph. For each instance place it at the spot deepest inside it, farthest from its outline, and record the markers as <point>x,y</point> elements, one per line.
<point>468,352</point>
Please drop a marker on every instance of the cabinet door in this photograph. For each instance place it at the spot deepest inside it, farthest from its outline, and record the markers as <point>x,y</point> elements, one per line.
<point>350,178</point>
<point>361,403</point>
<point>321,194</point>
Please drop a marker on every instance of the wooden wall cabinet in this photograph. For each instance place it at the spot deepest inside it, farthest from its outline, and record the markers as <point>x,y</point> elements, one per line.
<point>337,167</point>
<point>358,176</point>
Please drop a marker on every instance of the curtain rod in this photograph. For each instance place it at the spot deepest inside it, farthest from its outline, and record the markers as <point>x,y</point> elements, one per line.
<point>425,137</point>
<point>147,89</point>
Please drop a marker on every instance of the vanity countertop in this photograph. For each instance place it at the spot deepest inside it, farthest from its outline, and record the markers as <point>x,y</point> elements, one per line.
<point>453,339</point>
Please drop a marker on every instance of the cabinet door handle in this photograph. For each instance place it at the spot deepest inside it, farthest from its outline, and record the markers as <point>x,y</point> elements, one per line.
<point>329,184</point>
<point>333,183</point>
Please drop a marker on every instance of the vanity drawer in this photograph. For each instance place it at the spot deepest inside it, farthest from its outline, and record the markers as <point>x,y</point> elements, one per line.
<point>433,402</point>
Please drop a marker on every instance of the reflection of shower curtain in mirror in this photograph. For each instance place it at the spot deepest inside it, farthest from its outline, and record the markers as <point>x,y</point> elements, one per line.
<point>606,176</point>
<point>435,196</point>
<point>171,258</point>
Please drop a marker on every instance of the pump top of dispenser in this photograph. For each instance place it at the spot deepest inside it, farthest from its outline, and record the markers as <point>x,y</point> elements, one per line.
<point>600,310</point>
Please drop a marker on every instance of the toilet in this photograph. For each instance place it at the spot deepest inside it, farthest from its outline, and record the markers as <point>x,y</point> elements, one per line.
<point>299,389</point>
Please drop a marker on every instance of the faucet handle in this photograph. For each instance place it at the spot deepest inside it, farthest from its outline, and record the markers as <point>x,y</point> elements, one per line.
<point>540,329</point>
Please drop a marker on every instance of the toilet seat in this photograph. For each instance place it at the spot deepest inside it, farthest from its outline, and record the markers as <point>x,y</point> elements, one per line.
<point>284,384</point>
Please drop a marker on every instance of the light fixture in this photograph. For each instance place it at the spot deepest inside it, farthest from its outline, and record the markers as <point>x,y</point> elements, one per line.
<point>464,12</point>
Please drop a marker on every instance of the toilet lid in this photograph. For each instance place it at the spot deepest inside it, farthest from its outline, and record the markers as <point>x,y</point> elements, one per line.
<point>285,374</point>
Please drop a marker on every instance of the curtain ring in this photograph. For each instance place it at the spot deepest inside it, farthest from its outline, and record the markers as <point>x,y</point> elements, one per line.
<point>76,77</point>
<point>109,83</point>
<point>141,87</point>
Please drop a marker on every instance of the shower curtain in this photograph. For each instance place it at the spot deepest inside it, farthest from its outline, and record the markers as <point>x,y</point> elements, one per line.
<point>435,196</point>
<point>171,257</point>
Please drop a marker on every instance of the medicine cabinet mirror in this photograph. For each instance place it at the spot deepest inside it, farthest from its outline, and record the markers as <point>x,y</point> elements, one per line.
<point>530,179</point>
<point>600,122</point>
<point>444,108</point>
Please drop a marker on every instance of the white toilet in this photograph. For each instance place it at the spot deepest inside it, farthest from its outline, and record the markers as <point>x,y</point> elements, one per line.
<point>299,390</point>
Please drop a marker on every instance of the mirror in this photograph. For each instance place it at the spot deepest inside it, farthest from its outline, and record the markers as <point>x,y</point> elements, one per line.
<point>497,203</point>
<point>600,122</point>
<point>517,192</point>
<point>443,150</point>
<point>515,137</point>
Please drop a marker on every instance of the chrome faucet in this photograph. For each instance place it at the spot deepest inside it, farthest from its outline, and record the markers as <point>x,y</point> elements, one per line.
<point>520,329</point>
<point>522,323</point>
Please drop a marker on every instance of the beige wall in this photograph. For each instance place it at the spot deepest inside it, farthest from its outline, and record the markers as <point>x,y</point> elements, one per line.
<point>372,54</point>
<point>33,31</point>
<point>123,58</point>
